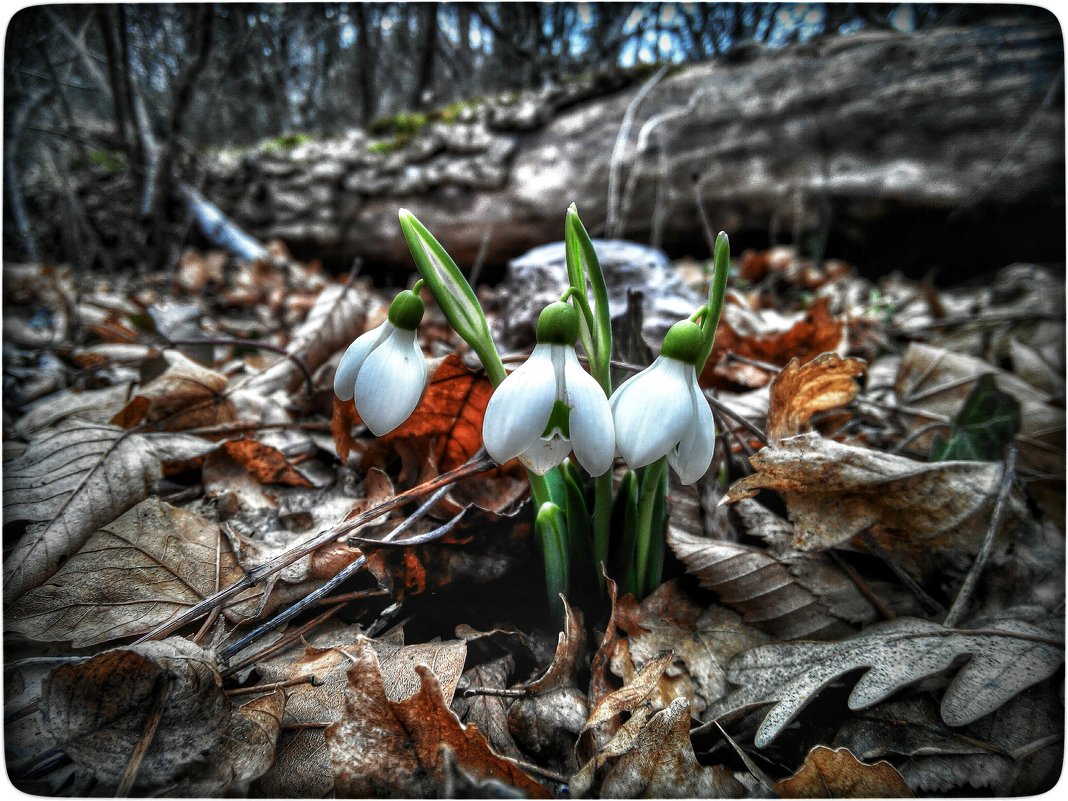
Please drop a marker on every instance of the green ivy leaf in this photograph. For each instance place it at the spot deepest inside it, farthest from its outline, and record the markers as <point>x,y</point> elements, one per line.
<point>985,424</point>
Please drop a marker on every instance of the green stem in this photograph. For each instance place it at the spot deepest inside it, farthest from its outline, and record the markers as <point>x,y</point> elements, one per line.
<point>602,522</point>
<point>646,503</point>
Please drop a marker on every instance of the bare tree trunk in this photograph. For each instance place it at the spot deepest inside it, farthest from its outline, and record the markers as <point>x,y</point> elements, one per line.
<point>428,44</point>
<point>12,185</point>
<point>365,65</point>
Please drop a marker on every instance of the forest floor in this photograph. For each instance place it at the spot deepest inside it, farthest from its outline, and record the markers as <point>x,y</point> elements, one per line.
<point>864,596</point>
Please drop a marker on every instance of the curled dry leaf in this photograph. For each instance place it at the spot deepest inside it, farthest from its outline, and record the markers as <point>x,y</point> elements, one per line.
<point>151,564</point>
<point>486,711</point>
<point>701,641</point>
<point>834,492</point>
<point>69,482</point>
<point>546,722</point>
<point>1006,657</point>
<point>382,747</point>
<point>800,391</point>
<point>661,763</point>
<point>837,773</point>
<point>186,395</point>
<point>98,709</point>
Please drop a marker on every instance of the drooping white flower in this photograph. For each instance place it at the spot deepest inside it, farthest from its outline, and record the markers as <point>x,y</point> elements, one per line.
<point>383,370</point>
<point>550,405</point>
<point>661,411</point>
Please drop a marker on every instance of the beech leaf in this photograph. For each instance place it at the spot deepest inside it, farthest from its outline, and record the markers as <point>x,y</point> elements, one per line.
<point>151,564</point>
<point>801,390</point>
<point>1006,658</point>
<point>69,482</point>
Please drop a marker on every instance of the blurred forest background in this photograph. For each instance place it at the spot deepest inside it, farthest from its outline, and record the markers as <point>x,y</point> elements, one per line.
<point>118,115</point>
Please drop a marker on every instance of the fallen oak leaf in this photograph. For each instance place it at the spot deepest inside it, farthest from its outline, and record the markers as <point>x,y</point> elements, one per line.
<point>69,482</point>
<point>393,748</point>
<point>1006,657</point>
<point>838,773</point>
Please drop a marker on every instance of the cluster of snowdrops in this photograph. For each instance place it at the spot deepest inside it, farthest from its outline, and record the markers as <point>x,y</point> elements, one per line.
<point>550,406</point>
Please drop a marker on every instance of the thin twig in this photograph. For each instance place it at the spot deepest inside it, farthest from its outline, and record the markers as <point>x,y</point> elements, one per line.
<point>731,356</point>
<point>964,595</point>
<point>164,685</point>
<point>480,259</point>
<point>336,581</point>
<point>288,639</point>
<point>308,678</point>
<point>862,586</point>
<point>496,692</point>
<point>472,467</point>
<point>930,605</point>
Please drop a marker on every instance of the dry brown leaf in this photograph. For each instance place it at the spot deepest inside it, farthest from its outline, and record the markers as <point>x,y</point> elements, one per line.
<point>94,405</point>
<point>303,767</point>
<point>69,482</point>
<point>661,763</point>
<point>450,413</point>
<point>800,391</point>
<point>152,563</point>
<point>393,748</point>
<point>486,711</point>
<point>838,774</point>
<point>186,395</point>
<point>834,492</point>
<point>98,709</point>
<point>245,751</point>
<point>775,341</point>
<point>264,463</point>
<point>196,270</point>
<point>547,721</point>
<point>342,420</point>
<point>701,642</point>
<point>783,592</point>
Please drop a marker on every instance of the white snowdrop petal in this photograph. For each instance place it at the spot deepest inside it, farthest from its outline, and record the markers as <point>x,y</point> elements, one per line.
<point>652,412</point>
<point>593,436</point>
<point>691,458</point>
<point>390,382</point>
<point>545,454</point>
<point>353,358</point>
<point>520,407</point>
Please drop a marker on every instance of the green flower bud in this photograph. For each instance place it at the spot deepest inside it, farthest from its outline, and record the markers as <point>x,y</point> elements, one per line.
<point>684,342</point>
<point>558,324</point>
<point>406,311</point>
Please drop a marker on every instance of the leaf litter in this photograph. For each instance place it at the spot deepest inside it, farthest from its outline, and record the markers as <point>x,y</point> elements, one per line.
<point>798,640</point>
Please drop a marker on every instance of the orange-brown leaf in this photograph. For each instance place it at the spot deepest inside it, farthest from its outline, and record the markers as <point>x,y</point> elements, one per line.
<point>799,391</point>
<point>266,464</point>
<point>450,412</point>
<point>839,774</point>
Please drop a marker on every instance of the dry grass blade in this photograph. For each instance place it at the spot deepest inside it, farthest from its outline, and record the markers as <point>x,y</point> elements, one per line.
<point>68,483</point>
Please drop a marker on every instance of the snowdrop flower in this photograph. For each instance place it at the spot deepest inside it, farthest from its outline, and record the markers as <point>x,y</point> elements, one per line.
<point>662,412</point>
<point>550,405</point>
<point>384,369</point>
